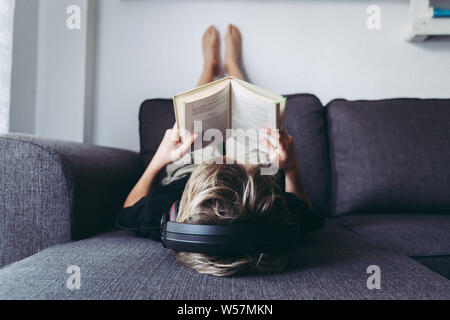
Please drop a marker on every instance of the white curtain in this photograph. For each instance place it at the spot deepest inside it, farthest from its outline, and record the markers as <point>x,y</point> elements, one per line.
<point>6,32</point>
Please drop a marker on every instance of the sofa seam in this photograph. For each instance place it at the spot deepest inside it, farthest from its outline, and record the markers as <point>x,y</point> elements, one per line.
<point>331,165</point>
<point>346,227</point>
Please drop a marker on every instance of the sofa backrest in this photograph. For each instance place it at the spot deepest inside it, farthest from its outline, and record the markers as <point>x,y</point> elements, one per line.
<point>304,120</point>
<point>389,156</point>
<point>155,117</point>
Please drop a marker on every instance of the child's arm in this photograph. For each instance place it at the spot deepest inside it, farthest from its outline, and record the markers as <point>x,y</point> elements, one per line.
<point>282,153</point>
<point>170,150</point>
<point>294,185</point>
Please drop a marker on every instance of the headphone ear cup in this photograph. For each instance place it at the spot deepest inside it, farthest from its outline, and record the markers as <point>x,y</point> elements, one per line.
<point>169,216</point>
<point>174,211</point>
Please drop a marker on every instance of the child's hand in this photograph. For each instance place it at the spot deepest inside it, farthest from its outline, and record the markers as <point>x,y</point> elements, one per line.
<point>172,148</point>
<point>280,149</point>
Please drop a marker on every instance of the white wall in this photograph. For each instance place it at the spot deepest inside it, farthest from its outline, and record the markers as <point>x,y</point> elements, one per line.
<point>61,73</point>
<point>150,49</point>
<point>24,69</point>
<point>6,36</point>
<point>52,74</point>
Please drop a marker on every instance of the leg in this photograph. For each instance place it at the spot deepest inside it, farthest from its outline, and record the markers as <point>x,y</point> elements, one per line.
<point>233,54</point>
<point>211,53</point>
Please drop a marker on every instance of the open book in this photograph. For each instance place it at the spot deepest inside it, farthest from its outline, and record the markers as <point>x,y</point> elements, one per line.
<point>233,107</point>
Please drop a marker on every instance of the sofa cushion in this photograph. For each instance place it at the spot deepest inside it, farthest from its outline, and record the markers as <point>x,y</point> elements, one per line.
<point>332,264</point>
<point>304,120</point>
<point>411,234</point>
<point>389,155</point>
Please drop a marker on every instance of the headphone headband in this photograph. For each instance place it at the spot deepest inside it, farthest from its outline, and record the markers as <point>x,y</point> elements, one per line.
<point>232,230</point>
<point>219,239</point>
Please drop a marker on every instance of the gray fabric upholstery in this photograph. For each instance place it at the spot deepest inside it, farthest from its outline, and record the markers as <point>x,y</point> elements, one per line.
<point>304,120</point>
<point>52,192</point>
<point>332,264</point>
<point>389,156</point>
<point>155,117</point>
<point>410,234</point>
<point>386,157</point>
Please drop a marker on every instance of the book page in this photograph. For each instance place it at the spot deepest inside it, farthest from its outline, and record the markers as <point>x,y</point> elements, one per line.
<point>212,111</point>
<point>265,93</point>
<point>250,112</point>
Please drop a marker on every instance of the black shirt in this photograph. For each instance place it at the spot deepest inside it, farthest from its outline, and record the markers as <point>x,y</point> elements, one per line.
<point>145,216</point>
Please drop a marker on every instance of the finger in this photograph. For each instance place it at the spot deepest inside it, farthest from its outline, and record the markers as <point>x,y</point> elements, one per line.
<point>275,137</point>
<point>270,148</point>
<point>275,134</point>
<point>185,146</point>
<point>175,135</point>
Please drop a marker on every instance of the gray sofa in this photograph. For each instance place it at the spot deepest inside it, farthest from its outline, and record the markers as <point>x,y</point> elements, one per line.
<point>378,170</point>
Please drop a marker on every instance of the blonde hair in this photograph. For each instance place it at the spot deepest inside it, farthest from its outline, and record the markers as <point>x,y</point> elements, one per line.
<point>232,194</point>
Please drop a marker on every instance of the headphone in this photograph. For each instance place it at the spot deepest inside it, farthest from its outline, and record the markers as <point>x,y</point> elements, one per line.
<point>223,239</point>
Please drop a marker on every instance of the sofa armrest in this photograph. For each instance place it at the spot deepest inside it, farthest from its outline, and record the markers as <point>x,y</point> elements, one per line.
<point>53,192</point>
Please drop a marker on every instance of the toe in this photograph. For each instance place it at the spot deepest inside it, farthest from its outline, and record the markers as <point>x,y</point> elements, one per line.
<point>206,33</point>
<point>235,31</point>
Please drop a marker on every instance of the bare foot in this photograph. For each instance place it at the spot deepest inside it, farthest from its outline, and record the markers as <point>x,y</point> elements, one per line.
<point>233,52</point>
<point>211,50</point>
